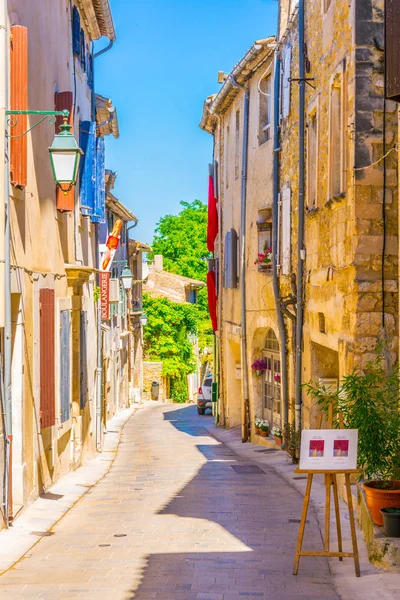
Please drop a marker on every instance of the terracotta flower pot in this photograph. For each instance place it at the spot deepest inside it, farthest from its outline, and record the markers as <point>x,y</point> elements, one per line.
<point>258,431</point>
<point>264,433</point>
<point>378,498</point>
<point>278,440</point>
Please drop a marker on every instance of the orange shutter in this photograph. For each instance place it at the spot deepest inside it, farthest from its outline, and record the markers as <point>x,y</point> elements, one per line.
<point>47,358</point>
<point>64,101</point>
<point>19,101</point>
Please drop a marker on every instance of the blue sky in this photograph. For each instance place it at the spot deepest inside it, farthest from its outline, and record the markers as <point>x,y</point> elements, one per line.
<point>160,70</point>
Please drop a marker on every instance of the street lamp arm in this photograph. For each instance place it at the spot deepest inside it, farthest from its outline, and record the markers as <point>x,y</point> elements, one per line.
<point>49,115</point>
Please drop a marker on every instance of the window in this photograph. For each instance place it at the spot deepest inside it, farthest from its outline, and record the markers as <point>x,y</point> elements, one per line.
<point>264,231</point>
<point>392,55</point>
<point>65,364</point>
<point>272,381</point>
<point>337,162</point>
<point>265,110</point>
<point>286,230</point>
<point>285,81</point>
<point>193,296</point>
<point>231,260</point>
<point>228,132</point>
<point>312,159</point>
<point>237,144</point>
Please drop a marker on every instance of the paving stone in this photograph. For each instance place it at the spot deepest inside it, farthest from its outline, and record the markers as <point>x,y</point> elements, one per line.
<point>196,528</point>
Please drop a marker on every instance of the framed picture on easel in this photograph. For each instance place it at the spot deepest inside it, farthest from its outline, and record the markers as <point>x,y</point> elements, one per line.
<point>326,449</point>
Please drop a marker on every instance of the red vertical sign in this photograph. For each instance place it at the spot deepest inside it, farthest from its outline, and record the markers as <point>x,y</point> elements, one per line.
<point>105,295</point>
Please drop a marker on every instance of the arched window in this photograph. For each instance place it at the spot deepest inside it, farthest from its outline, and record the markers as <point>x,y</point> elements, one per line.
<point>271,343</point>
<point>272,380</point>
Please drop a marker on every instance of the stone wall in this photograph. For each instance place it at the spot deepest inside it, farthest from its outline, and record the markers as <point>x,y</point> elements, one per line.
<point>152,371</point>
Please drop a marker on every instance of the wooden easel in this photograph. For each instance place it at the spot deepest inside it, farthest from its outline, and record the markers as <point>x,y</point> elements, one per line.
<point>330,480</point>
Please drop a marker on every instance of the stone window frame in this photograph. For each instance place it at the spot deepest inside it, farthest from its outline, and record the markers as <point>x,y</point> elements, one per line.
<point>338,80</point>
<point>313,112</point>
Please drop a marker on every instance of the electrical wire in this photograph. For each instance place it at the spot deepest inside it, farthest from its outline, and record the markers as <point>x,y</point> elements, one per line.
<point>260,80</point>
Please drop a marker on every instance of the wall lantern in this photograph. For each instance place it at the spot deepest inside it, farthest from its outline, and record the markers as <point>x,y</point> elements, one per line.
<point>126,278</point>
<point>143,319</point>
<point>65,156</point>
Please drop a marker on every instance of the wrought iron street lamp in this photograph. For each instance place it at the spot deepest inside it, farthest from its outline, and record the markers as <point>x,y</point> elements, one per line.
<point>126,278</point>
<point>65,155</point>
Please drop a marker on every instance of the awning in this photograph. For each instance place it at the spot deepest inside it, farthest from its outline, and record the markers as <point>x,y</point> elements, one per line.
<point>212,299</point>
<point>212,225</point>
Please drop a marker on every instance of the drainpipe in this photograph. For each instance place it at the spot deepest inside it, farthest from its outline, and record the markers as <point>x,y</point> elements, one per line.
<point>6,388</point>
<point>300,211</point>
<point>275,249</point>
<point>99,370</point>
<point>242,272</point>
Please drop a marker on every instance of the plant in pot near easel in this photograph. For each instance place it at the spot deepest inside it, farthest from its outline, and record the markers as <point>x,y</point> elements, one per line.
<point>369,400</point>
<point>257,423</point>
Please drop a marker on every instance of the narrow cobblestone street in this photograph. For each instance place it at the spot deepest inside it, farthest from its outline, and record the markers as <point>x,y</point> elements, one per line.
<point>178,517</point>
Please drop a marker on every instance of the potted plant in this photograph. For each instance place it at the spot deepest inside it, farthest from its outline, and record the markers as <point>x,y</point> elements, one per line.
<point>277,379</point>
<point>264,427</point>
<point>292,440</point>
<point>277,433</point>
<point>257,423</point>
<point>264,259</point>
<point>259,366</point>
<point>391,521</point>
<point>369,402</point>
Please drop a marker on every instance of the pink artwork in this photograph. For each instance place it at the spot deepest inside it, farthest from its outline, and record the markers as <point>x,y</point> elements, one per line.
<point>341,448</point>
<point>316,448</point>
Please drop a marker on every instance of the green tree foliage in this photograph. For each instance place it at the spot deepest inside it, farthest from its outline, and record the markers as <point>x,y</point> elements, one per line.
<point>182,240</point>
<point>166,339</point>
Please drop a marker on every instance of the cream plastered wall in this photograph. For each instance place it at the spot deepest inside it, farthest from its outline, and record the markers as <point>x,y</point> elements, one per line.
<point>43,240</point>
<point>260,307</point>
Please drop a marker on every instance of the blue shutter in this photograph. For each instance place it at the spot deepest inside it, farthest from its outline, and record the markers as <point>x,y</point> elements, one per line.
<point>89,68</point>
<point>65,365</point>
<point>82,53</point>
<point>76,32</point>
<point>99,212</point>
<point>83,361</point>
<point>87,142</point>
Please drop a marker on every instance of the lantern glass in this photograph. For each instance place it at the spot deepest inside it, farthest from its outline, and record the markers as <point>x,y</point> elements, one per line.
<point>143,319</point>
<point>65,166</point>
<point>127,278</point>
<point>65,155</point>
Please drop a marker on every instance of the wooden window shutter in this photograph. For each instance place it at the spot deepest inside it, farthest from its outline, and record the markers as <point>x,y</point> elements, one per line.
<point>76,32</point>
<point>99,205</point>
<point>392,55</point>
<point>87,142</point>
<point>287,58</point>
<point>83,360</point>
<point>47,362</point>
<point>227,257</point>
<point>82,57</point>
<point>64,101</point>
<point>286,230</point>
<point>19,101</point>
<point>65,364</point>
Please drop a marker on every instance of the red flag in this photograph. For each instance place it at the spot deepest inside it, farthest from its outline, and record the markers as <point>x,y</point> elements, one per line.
<point>212,226</point>
<point>212,299</point>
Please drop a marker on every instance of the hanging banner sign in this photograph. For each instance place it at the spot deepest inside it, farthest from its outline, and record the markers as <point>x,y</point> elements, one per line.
<point>105,296</point>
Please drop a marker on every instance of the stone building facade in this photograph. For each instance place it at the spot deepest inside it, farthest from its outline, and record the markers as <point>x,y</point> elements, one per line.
<point>351,204</point>
<point>350,251</point>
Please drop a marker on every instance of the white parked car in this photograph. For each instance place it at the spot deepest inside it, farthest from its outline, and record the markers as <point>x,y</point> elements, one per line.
<point>204,395</point>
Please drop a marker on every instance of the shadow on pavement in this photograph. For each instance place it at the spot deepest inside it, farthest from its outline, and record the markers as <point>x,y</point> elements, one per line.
<point>233,539</point>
